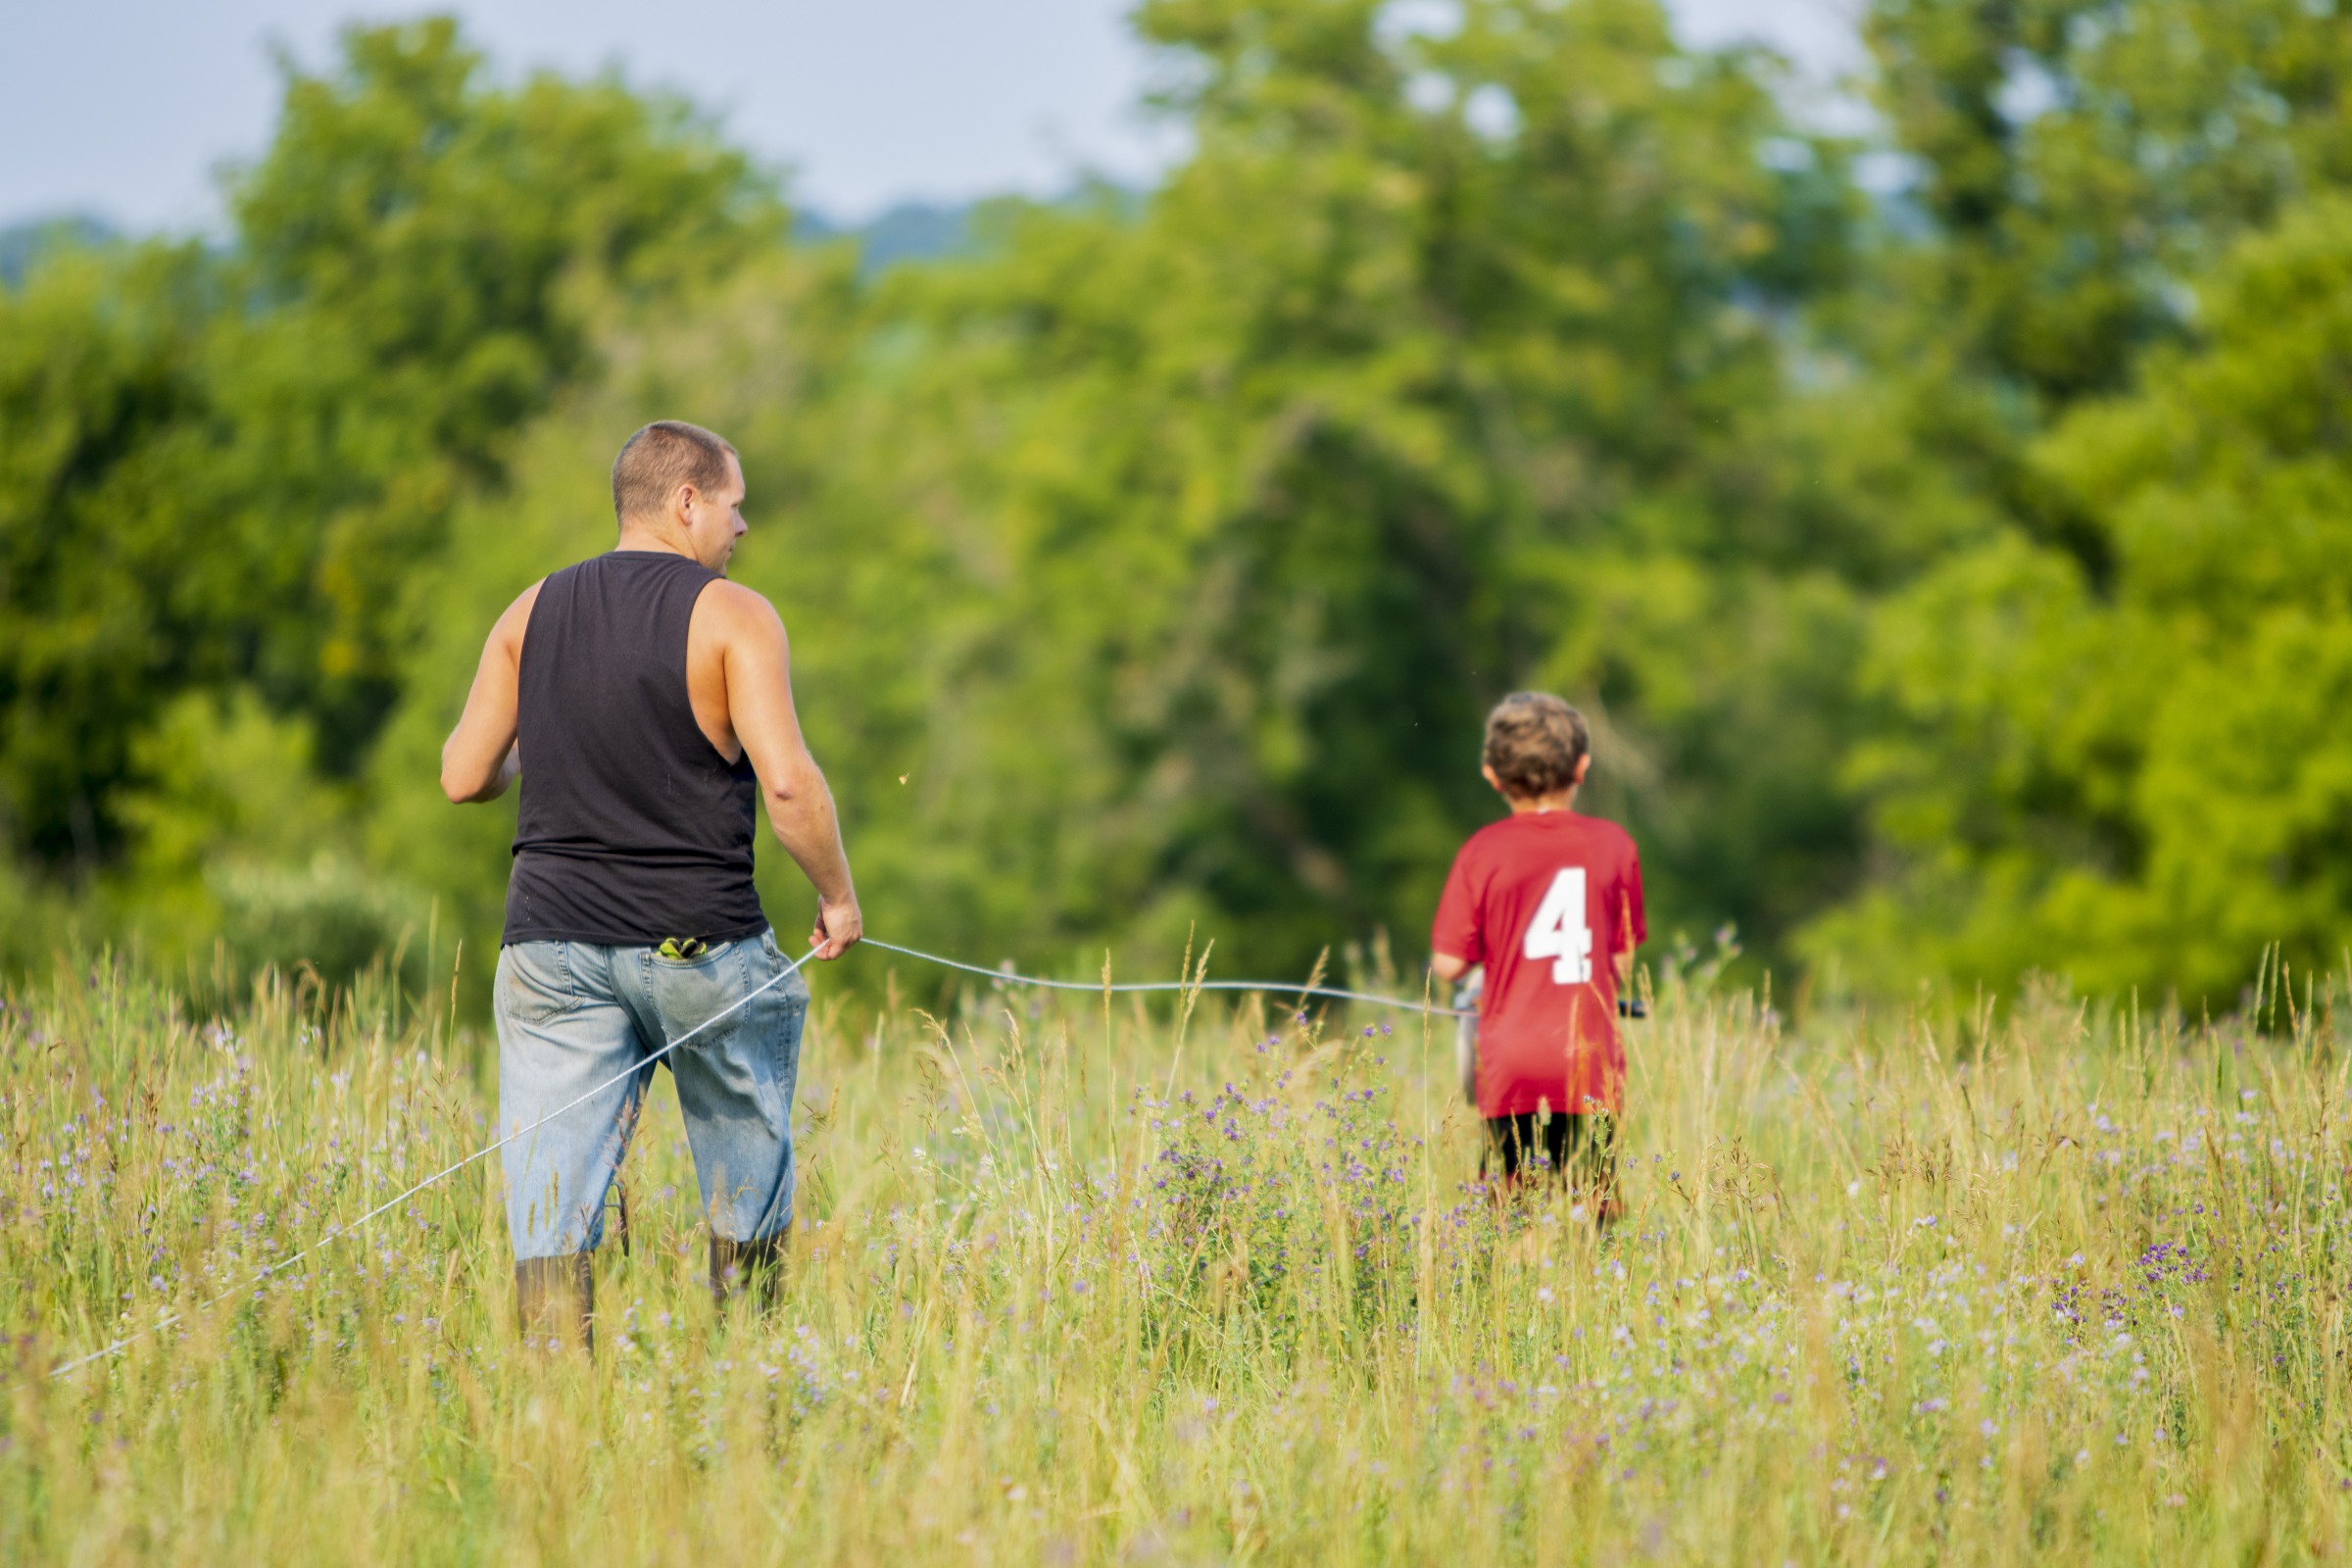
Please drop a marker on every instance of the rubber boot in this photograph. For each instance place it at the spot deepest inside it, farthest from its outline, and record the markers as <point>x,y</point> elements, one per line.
<point>555,1301</point>
<point>757,1266</point>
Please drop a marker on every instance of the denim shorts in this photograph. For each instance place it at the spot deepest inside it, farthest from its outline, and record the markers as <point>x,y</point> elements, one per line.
<point>573,1015</point>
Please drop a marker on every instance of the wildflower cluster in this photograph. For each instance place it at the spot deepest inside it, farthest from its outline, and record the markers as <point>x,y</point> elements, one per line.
<point>1297,1192</point>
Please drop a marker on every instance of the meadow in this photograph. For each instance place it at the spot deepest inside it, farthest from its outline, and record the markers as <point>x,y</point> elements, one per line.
<point>1079,1280</point>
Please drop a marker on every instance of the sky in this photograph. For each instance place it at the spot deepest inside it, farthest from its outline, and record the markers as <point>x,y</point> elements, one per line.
<point>125,110</point>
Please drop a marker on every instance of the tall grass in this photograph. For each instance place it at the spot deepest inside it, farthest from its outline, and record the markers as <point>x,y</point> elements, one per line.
<point>1080,1282</point>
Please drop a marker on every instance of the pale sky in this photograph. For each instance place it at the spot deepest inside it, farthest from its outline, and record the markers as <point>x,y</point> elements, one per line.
<point>124,108</point>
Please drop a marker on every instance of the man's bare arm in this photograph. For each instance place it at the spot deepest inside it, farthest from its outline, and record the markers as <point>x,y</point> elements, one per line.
<point>800,805</point>
<point>479,760</point>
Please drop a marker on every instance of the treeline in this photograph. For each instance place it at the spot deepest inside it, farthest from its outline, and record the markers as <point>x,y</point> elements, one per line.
<point>1953,559</point>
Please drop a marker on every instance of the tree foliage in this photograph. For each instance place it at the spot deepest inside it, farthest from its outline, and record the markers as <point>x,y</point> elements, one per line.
<point>1207,535</point>
<point>2080,768</point>
<point>1949,573</point>
<point>223,468</point>
<point>2144,779</point>
<point>2084,159</point>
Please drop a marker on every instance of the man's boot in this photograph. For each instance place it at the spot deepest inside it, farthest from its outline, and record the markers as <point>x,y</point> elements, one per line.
<point>554,1300</point>
<point>753,1266</point>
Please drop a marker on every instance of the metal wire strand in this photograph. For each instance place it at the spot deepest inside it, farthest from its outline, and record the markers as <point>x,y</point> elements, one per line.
<point>446,1171</point>
<point>1269,987</point>
<point>1002,976</point>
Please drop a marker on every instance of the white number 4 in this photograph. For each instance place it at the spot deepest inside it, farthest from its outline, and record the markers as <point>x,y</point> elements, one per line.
<point>1558,931</point>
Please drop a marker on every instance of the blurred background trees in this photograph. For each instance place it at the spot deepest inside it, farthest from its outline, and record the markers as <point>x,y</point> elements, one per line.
<point>1948,561</point>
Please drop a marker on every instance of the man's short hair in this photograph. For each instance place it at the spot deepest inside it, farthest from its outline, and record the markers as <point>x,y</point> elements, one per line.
<point>661,457</point>
<point>1535,742</point>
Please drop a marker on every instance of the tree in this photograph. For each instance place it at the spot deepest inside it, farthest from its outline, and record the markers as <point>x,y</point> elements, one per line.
<point>428,249</point>
<point>1199,539</point>
<point>2083,160</point>
<point>225,469</point>
<point>104,413</point>
<point>2140,779</point>
<point>2075,166</point>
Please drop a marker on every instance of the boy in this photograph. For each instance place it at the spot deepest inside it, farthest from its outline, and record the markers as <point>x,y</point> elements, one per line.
<point>1551,903</point>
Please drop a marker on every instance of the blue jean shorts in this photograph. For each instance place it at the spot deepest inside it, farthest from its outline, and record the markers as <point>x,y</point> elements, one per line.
<point>573,1015</point>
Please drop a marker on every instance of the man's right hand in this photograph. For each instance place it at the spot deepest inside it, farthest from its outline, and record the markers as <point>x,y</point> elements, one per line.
<point>839,925</point>
<point>479,758</point>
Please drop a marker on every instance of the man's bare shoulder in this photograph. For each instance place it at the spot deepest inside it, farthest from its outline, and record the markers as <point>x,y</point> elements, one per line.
<point>737,613</point>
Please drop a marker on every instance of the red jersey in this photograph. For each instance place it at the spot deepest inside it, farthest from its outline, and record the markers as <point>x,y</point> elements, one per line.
<point>1547,900</point>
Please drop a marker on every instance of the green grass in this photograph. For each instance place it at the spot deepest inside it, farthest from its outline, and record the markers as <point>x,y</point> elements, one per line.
<point>1894,1289</point>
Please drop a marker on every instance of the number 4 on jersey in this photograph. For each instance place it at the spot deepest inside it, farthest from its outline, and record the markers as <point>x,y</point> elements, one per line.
<point>1558,931</point>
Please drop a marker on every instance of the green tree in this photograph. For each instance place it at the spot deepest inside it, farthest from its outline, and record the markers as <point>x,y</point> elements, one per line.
<point>1172,558</point>
<point>223,470</point>
<point>2140,779</point>
<point>430,249</point>
<point>108,592</point>
<point>2075,166</point>
<point>2080,170</point>
<point>2083,160</point>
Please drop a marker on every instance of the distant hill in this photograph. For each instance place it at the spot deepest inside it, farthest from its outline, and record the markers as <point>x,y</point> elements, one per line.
<point>911,231</point>
<point>923,232</point>
<point>22,244</point>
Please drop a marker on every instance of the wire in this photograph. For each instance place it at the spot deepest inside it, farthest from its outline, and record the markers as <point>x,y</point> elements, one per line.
<point>331,1237</point>
<point>1008,977</point>
<point>1002,976</point>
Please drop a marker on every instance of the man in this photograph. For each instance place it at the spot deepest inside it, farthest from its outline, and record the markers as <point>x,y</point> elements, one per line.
<point>652,699</point>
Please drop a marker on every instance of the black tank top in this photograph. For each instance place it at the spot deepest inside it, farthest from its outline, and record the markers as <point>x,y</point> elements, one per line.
<point>632,828</point>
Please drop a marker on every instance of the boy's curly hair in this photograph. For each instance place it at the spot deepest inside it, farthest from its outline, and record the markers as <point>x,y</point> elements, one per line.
<point>1535,742</point>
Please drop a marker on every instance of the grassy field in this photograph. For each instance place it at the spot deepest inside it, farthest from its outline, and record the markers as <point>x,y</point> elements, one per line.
<point>1082,1283</point>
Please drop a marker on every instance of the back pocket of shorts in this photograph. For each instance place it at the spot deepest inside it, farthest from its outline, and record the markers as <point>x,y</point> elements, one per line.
<point>534,981</point>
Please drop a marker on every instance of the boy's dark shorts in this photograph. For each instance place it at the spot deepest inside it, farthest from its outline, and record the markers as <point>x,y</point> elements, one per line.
<point>1580,1151</point>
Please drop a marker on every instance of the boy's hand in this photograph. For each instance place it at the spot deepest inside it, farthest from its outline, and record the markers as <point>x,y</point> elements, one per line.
<point>1446,967</point>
